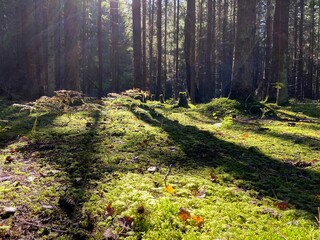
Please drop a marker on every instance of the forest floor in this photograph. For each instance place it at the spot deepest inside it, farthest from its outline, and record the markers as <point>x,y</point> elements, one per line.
<point>121,169</point>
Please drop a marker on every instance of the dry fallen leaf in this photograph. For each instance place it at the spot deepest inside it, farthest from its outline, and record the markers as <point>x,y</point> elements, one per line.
<point>198,194</point>
<point>213,177</point>
<point>282,205</point>
<point>126,222</point>
<point>109,211</point>
<point>9,159</point>
<point>202,193</point>
<point>194,192</point>
<point>23,139</point>
<point>140,209</point>
<point>169,189</point>
<point>245,135</point>
<point>183,214</point>
<point>198,220</point>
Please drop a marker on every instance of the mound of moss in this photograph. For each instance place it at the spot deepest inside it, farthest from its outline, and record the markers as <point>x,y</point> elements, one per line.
<point>221,107</point>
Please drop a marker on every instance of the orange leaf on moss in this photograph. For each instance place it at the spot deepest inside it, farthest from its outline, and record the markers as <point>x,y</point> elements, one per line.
<point>198,220</point>
<point>109,211</point>
<point>282,205</point>
<point>183,214</point>
<point>169,189</point>
<point>245,135</point>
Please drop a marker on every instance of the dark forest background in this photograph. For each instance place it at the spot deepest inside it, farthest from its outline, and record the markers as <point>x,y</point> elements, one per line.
<point>209,48</point>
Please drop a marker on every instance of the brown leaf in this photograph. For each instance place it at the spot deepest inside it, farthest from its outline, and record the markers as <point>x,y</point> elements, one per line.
<point>198,220</point>
<point>109,211</point>
<point>198,194</point>
<point>183,214</point>
<point>126,222</point>
<point>169,189</point>
<point>213,177</point>
<point>245,135</point>
<point>140,209</point>
<point>24,139</point>
<point>9,159</point>
<point>194,192</point>
<point>282,205</point>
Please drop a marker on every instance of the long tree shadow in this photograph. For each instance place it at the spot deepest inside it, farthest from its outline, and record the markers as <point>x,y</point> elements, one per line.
<point>268,176</point>
<point>296,139</point>
<point>74,154</point>
<point>15,124</point>
<point>308,109</point>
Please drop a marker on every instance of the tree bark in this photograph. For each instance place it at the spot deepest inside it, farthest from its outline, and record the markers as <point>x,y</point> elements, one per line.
<point>100,54</point>
<point>209,78</point>
<point>151,34</point>
<point>114,22</point>
<point>144,43</point>
<point>189,48</point>
<point>159,50</point>
<point>71,28</point>
<point>242,73</point>
<point>177,50</point>
<point>137,53</point>
<point>279,51</point>
<point>300,82</point>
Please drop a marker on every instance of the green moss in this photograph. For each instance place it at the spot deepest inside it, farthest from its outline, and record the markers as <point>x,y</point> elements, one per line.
<point>245,167</point>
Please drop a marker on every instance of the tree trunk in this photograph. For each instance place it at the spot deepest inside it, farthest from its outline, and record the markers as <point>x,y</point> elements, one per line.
<point>57,45</point>
<point>209,79</point>
<point>114,22</point>
<point>165,43</point>
<point>144,44</point>
<point>212,93</point>
<point>226,62</point>
<point>309,84</point>
<point>280,48</point>
<point>159,50</point>
<point>242,73</point>
<point>176,77</point>
<point>151,33</point>
<point>100,54</point>
<point>137,53</point>
<point>300,82</point>
<point>71,44</point>
<point>28,48</point>
<point>84,48</point>
<point>295,44</point>
<point>189,48</point>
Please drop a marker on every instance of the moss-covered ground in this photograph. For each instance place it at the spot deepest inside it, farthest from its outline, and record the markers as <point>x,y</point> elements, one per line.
<point>122,169</point>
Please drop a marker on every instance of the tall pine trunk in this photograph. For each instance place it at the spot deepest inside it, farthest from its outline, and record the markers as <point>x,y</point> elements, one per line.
<point>71,28</point>
<point>279,51</point>
<point>159,50</point>
<point>114,22</point>
<point>209,79</point>
<point>189,48</point>
<point>242,72</point>
<point>137,52</point>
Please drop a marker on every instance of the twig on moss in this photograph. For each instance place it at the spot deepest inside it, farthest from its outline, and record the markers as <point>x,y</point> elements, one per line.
<point>39,225</point>
<point>167,174</point>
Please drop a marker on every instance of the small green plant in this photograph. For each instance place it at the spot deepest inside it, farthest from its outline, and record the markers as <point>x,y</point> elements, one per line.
<point>278,86</point>
<point>227,121</point>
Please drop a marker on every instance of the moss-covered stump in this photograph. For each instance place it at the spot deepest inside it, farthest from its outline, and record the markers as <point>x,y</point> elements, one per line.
<point>183,100</point>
